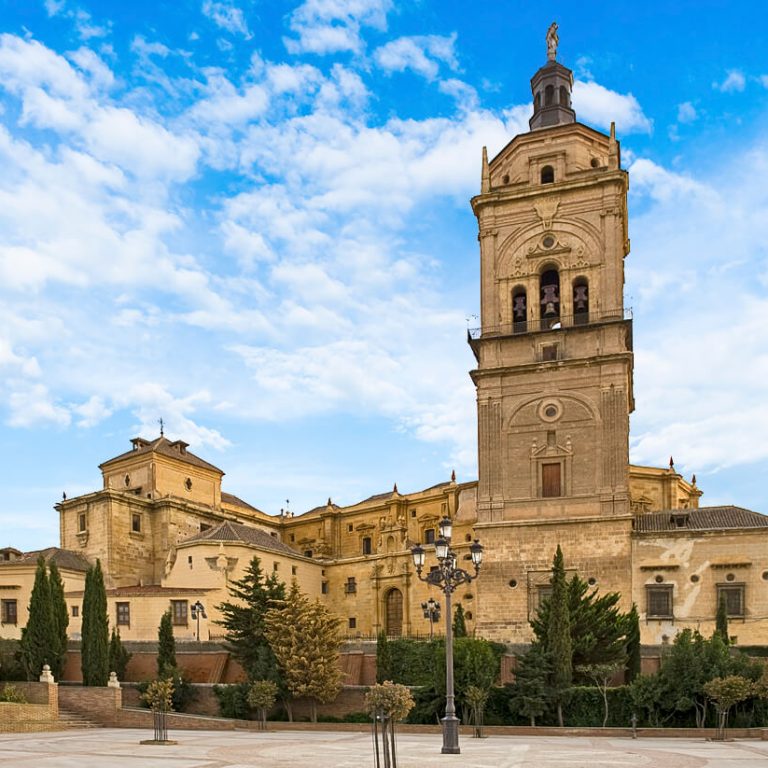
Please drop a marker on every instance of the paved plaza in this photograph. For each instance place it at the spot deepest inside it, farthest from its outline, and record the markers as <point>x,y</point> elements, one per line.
<point>120,748</point>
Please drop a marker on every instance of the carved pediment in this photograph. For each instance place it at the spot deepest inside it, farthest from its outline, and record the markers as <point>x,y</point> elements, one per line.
<point>363,527</point>
<point>556,449</point>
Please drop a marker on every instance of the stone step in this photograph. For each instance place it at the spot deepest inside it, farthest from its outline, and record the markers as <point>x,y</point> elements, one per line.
<point>70,719</point>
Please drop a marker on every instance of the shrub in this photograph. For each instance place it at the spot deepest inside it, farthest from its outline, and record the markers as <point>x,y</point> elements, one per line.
<point>233,701</point>
<point>12,695</point>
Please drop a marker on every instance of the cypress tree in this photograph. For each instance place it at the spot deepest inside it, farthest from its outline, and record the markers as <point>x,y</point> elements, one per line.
<point>721,620</point>
<point>459,623</point>
<point>95,632</point>
<point>60,616</point>
<point>118,655</point>
<point>633,644</point>
<point>166,647</point>
<point>39,644</point>
<point>559,634</point>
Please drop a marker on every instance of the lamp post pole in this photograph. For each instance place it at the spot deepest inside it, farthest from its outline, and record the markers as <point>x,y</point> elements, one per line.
<point>447,576</point>
<point>432,612</point>
<point>198,610</point>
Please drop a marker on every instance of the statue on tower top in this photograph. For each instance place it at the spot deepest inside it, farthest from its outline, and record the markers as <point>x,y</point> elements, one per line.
<point>552,41</point>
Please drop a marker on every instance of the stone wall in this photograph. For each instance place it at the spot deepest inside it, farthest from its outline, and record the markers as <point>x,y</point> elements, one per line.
<point>99,705</point>
<point>39,713</point>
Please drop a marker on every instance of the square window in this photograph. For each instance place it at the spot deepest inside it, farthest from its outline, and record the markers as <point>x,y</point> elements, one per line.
<point>179,612</point>
<point>136,523</point>
<point>734,599</point>
<point>123,614</point>
<point>549,352</point>
<point>659,602</point>
<point>8,612</point>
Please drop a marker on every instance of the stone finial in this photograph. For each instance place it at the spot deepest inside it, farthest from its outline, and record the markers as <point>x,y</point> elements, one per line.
<point>395,491</point>
<point>693,480</point>
<point>453,475</point>
<point>113,681</point>
<point>47,675</point>
<point>485,176</point>
<point>330,503</point>
<point>671,464</point>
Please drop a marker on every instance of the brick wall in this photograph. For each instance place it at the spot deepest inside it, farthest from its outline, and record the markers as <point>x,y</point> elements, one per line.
<point>97,704</point>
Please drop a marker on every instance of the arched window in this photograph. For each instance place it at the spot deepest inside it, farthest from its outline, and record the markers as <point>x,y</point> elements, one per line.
<point>580,301</point>
<point>519,311</point>
<point>564,100</point>
<point>547,175</point>
<point>549,95</point>
<point>394,613</point>
<point>550,298</point>
<point>537,101</point>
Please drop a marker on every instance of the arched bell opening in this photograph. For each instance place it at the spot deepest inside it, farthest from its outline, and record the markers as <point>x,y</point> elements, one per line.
<point>547,175</point>
<point>519,310</point>
<point>580,301</point>
<point>549,95</point>
<point>550,297</point>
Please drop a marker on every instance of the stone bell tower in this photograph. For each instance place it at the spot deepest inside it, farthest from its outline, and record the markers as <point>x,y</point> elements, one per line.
<point>554,350</point>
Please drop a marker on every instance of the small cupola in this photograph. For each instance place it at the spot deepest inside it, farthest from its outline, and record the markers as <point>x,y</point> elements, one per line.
<point>551,87</point>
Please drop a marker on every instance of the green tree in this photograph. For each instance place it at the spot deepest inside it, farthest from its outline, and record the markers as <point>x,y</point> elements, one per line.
<point>39,642</point>
<point>60,617</point>
<point>632,626</point>
<point>601,675</point>
<point>725,692</point>
<point>95,629</point>
<point>598,628</point>
<point>383,658</point>
<point>305,638</point>
<point>166,647</point>
<point>261,696</point>
<point>459,622</point>
<point>558,638</point>
<point>243,620</point>
<point>531,691</point>
<point>118,655</point>
<point>721,619</point>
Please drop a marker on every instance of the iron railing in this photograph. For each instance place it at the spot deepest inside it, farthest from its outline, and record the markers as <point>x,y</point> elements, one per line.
<point>544,324</point>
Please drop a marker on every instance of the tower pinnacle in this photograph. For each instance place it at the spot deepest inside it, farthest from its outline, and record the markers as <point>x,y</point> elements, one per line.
<point>551,87</point>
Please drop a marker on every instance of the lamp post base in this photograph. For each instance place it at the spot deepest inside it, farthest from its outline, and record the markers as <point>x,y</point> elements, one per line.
<point>450,735</point>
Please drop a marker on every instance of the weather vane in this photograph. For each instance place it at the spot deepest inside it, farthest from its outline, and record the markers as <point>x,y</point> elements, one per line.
<point>162,426</point>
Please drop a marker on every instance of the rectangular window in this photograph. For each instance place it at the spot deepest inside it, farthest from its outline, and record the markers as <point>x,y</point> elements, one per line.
<point>189,560</point>
<point>179,612</point>
<point>429,536</point>
<point>75,611</point>
<point>123,614</point>
<point>549,352</point>
<point>367,545</point>
<point>351,586</point>
<point>81,522</point>
<point>294,570</point>
<point>350,527</point>
<point>544,593</point>
<point>659,602</point>
<point>275,567</point>
<point>8,614</point>
<point>352,622</point>
<point>324,587</point>
<point>136,523</point>
<point>734,598</point>
<point>550,480</point>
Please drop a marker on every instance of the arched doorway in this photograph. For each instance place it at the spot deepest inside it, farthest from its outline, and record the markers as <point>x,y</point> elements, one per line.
<point>394,612</point>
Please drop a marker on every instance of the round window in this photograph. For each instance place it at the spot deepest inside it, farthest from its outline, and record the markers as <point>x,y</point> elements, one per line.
<point>592,581</point>
<point>548,241</point>
<point>550,410</point>
<point>695,578</point>
<point>513,583</point>
<point>659,578</point>
<point>730,577</point>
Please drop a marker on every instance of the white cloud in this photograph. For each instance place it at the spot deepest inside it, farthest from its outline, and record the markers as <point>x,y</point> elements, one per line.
<point>227,16</point>
<point>30,404</point>
<point>421,53</point>
<point>92,412</point>
<point>686,112</point>
<point>734,82</point>
<point>663,185</point>
<point>597,104</point>
<point>333,26</point>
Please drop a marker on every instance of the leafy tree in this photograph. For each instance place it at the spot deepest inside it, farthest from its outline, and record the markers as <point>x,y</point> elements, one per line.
<point>95,629</point>
<point>459,622</point>
<point>261,696</point>
<point>243,621</point>
<point>632,628</point>
<point>118,655</point>
<point>531,691</point>
<point>305,639</point>
<point>725,692</point>
<point>166,646</point>
<point>721,620</point>
<point>39,641</point>
<point>601,675</point>
<point>60,619</point>
<point>598,629</point>
<point>558,637</point>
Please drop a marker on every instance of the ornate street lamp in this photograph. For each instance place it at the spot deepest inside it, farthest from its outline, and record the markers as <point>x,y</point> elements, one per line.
<point>431,610</point>
<point>447,576</point>
<point>198,611</point>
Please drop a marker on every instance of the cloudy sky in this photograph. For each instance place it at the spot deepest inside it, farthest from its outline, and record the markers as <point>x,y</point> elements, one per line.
<point>251,218</point>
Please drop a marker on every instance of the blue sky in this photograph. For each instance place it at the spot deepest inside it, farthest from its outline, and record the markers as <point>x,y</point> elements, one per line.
<point>251,219</point>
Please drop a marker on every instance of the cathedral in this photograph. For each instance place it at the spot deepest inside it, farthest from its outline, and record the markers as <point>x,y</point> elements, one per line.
<point>554,383</point>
